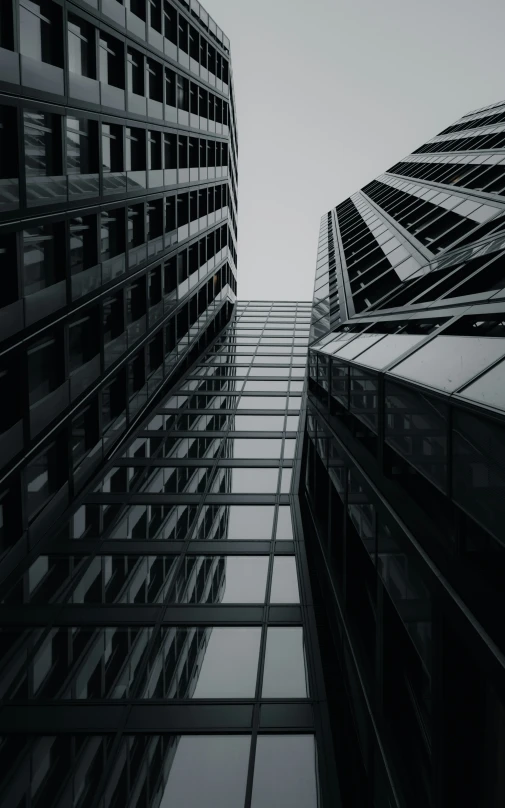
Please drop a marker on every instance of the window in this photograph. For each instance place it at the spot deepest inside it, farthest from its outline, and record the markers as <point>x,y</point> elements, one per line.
<point>82,146</point>
<point>6,26</point>
<point>8,268</point>
<point>45,367</point>
<point>155,78</point>
<point>81,47</point>
<point>136,226</point>
<point>43,144</point>
<point>182,93</point>
<point>135,149</point>
<point>41,31</point>
<point>44,475</point>
<point>154,151</point>
<point>8,147</point>
<point>112,147</point>
<point>284,675</point>
<point>84,340</point>
<point>113,317</point>
<point>111,61</point>
<point>170,15</point>
<point>135,67</point>
<point>114,400</point>
<point>112,233</point>
<point>154,219</point>
<point>170,88</point>
<point>83,243</point>
<point>43,257</point>
<point>222,771</point>
<point>285,772</point>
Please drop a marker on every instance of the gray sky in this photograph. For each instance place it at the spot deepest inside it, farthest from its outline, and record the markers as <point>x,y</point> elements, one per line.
<point>329,94</point>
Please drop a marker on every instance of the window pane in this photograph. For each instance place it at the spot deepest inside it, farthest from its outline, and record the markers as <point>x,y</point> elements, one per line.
<point>250,522</point>
<point>254,448</point>
<point>284,676</point>
<point>262,403</point>
<point>245,579</point>
<point>208,770</point>
<point>284,581</point>
<point>285,772</point>
<point>221,579</point>
<point>230,664</point>
<point>284,525</point>
<point>254,481</point>
<point>260,423</point>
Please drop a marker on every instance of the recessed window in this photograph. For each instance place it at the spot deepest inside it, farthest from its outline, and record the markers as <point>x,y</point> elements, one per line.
<point>81,47</point>
<point>44,475</point>
<point>43,257</point>
<point>41,31</point>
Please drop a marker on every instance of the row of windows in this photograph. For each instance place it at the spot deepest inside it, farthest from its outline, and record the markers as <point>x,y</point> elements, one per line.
<point>439,461</point>
<point>71,158</point>
<point>94,339</point>
<point>47,767</point>
<point>481,120</point>
<point>49,264</point>
<point>152,90</point>
<point>41,23</point>
<point>487,178</point>
<point>151,579</point>
<point>485,141</point>
<point>64,364</point>
<point>431,224</point>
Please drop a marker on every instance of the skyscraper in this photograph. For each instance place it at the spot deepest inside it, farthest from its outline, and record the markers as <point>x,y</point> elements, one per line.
<point>162,648</point>
<point>225,581</point>
<point>403,492</point>
<point>118,206</point>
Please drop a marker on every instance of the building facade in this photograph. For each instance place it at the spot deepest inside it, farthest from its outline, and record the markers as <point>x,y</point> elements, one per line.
<point>404,483</point>
<point>162,648</point>
<point>118,210</point>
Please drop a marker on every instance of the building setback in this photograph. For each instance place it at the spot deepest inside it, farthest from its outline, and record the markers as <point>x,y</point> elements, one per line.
<point>404,484</point>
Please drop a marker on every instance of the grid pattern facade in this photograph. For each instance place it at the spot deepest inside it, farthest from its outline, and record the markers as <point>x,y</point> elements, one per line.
<point>118,210</point>
<point>404,477</point>
<point>161,648</point>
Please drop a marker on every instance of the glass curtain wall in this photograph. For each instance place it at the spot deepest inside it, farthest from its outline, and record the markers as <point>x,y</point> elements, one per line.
<point>167,654</point>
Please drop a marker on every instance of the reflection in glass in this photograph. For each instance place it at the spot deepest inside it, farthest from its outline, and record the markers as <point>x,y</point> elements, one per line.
<point>208,770</point>
<point>254,481</point>
<point>284,530</point>
<point>230,664</point>
<point>285,772</point>
<point>250,522</point>
<point>284,676</point>
<point>284,581</point>
<point>260,423</point>
<point>256,448</point>
<point>221,579</point>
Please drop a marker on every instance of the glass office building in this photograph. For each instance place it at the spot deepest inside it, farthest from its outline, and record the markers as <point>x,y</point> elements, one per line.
<point>161,649</point>
<point>403,490</point>
<point>230,576</point>
<point>118,208</point>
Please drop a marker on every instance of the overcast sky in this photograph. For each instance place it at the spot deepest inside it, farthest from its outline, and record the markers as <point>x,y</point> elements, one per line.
<point>329,94</point>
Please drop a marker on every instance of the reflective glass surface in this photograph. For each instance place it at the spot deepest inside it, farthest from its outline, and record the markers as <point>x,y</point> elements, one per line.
<point>284,676</point>
<point>285,772</point>
<point>208,769</point>
<point>284,581</point>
